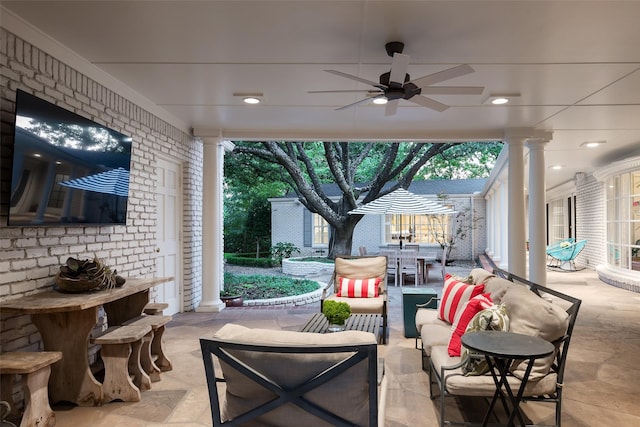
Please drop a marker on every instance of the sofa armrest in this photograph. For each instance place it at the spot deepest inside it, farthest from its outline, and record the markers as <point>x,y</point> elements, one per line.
<point>426,304</point>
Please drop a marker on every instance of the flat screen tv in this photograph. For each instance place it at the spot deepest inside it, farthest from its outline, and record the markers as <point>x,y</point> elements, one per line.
<point>66,169</point>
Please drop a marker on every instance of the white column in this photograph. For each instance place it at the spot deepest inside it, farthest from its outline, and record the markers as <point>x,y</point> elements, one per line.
<point>489,222</point>
<point>516,217</point>
<point>212,224</point>
<point>503,245</point>
<point>537,212</point>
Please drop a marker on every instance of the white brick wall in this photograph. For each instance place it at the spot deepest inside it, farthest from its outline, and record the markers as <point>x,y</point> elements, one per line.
<point>30,256</point>
<point>590,220</point>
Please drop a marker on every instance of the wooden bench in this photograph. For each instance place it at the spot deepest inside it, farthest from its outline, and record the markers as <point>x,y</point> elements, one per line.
<point>35,368</point>
<point>153,358</point>
<point>155,308</point>
<point>121,356</point>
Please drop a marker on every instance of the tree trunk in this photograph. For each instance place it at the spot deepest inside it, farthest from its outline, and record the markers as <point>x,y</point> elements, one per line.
<point>341,239</point>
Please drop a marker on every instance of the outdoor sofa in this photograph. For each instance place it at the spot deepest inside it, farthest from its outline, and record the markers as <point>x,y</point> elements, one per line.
<point>515,305</point>
<point>263,377</point>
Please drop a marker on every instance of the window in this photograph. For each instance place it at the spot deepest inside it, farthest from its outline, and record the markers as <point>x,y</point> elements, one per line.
<point>623,220</point>
<point>421,229</point>
<point>320,231</point>
<point>557,221</point>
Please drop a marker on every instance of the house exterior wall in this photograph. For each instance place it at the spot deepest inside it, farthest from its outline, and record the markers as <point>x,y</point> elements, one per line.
<point>287,226</point>
<point>31,256</point>
<point>590,220</point>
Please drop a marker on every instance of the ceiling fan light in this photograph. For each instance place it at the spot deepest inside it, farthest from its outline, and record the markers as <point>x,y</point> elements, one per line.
<point>381,100</point>
<point>500,101</point>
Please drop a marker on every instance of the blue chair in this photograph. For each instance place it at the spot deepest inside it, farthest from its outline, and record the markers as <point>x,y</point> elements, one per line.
<point>562,255</point>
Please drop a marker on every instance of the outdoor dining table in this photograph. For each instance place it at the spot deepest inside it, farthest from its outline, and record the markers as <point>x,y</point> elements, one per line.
<point>65,322</point>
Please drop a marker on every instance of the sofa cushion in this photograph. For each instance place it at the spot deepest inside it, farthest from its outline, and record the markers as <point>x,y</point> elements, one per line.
<point>464,316</point>
<point>289,370</point>
<point>532,315</point>
<point>494,318</point>
<point>362,305</point>
<point>358,288</point>
<point>427,316</point>
<point>454,295</point>
<point>497,287</point>
<point>480,275</point>
<point>434,335</point>
<point>459,384</point>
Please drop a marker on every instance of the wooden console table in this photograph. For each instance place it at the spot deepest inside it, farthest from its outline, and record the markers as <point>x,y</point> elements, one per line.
<point>65,322</point>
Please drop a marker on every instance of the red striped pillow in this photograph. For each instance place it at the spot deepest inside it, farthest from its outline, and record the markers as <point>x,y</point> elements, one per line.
<point>462,319</point>
<point>358,288</point>
<point>454,295</point>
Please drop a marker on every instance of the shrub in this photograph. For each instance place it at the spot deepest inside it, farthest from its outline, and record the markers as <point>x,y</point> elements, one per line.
<point>336,312</point>
<point>283,250</point>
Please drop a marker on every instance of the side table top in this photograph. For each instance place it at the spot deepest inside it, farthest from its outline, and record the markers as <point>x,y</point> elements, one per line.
<point>507,345</point>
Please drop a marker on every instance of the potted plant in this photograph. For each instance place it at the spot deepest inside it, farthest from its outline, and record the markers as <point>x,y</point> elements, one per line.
<point>336,313</point>
<point>231,298</point>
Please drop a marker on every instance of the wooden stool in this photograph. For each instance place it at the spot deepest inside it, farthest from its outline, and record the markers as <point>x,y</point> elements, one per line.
<point>121,356</point>
<point>155,308</point>
<point>35,368</point>
<point>154,360</point>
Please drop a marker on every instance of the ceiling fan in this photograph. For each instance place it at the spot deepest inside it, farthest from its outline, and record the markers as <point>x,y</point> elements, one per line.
<point>397,84</point>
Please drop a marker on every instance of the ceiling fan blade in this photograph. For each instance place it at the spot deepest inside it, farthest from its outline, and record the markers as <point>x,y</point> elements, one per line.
<point>342,91</point>
<point>391,108</point>
<point>399,68</point>
<point>452,90</point>
<point>356,78</point>
<point>441,76</point>
<point>429,103</point>
<point>362,101</point>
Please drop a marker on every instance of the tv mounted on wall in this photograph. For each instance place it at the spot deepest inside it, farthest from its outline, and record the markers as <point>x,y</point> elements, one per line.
<point>66,169</point>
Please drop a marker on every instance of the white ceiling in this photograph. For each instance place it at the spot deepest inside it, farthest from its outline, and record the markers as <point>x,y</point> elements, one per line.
<point>576,65</point>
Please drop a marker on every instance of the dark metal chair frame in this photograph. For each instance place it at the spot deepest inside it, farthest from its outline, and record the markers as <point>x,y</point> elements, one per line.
<point>354,354</point>
<point>562,345</point>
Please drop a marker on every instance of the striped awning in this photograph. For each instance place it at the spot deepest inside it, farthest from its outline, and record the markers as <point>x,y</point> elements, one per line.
<point>402,201</point>
<point>114,181</point>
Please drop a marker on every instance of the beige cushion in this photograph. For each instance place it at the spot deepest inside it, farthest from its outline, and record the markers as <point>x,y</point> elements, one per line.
<point>362,268</point>
<point>497,287</point>
<point>426,316</point>
<point>243,393</point>
<point>531,315</point>
<point>433,335</point>
<point>482,385</point>
<point>479,275</point>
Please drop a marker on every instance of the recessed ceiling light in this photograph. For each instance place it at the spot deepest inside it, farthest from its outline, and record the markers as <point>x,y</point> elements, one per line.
<point>556,167</point>
<point>500,99</point>
<point>381,100</point>
<point>250,98</point>
<point>592,144</point>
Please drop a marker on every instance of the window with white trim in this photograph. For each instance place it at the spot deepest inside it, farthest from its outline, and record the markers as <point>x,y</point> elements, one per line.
<point>320,231</point>
<point>421,229</point>
<point>623,220</point>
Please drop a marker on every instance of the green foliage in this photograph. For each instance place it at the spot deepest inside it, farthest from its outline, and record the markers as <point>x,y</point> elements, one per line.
<point>257,286</point>
<point>249,182</point>
<point>249,261</point>
<point>336,312</point>
<point>463,161</point>
<point>283,250</point>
